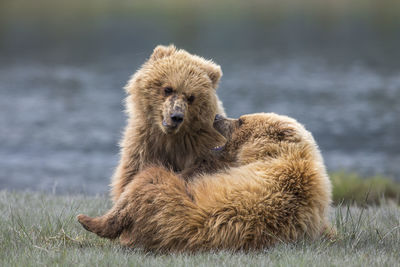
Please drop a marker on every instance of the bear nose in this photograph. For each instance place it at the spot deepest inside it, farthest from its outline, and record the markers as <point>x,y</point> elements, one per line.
<point>218,117</point>
<point>177,117</point>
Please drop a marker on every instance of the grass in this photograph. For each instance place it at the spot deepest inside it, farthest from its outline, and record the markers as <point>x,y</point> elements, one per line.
<point>41,229</point>
<point>350,188</point>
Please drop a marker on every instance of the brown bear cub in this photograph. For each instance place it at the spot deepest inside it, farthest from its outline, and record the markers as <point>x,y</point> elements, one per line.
<point>279,191</point>
<point>171,106</point>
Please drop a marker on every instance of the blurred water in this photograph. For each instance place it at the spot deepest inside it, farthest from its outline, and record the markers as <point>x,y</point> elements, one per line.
<point>61,88</point>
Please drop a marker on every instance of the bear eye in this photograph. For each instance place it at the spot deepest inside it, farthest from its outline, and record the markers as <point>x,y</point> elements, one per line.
<point>168,91</point>
<point>240,122</point>
<point>190,99</point>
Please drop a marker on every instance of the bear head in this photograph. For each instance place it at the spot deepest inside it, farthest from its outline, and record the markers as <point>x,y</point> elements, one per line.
<point>256,136</point>
<point>174,91</point>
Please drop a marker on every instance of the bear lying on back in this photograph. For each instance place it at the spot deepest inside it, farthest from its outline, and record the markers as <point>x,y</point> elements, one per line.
<point>279,192</point>
<point>171,106</point>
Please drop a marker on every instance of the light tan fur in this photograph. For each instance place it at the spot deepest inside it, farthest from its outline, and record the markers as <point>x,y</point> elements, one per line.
<point>278,192</point>
<point>151,136</point>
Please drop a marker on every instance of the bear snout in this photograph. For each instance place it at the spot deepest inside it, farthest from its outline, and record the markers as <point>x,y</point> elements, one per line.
<point>219,117</point>
<point>177,117</point>
<point>173,114</point>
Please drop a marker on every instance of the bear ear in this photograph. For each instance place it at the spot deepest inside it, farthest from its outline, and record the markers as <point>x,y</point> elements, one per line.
<point>162,51</point>
<point>214,72</point>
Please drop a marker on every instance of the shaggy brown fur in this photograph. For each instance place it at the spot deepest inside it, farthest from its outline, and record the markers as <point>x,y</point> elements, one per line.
<point>171,106</point>
<point>279,192</point>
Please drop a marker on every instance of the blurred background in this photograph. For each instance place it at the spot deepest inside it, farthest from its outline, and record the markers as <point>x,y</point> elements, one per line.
<point>334,65</point>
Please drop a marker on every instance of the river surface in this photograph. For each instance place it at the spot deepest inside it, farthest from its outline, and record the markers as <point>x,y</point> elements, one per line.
<point>61,96</point>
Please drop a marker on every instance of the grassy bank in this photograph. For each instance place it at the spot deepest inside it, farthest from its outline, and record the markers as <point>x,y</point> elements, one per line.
<point>351,188</point>
<point>39,229</point>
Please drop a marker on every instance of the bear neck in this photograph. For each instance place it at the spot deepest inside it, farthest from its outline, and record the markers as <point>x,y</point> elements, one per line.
<point>176,151</point>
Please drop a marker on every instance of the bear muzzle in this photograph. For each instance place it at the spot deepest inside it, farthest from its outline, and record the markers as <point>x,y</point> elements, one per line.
<point>173,114</point>
<point>225,126</point>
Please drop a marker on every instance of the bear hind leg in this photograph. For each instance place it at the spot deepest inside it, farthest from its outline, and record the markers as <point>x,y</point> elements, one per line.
<point>104,226</point>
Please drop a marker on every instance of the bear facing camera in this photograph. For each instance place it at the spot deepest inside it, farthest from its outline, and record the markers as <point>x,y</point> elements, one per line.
<point>171,106</point>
